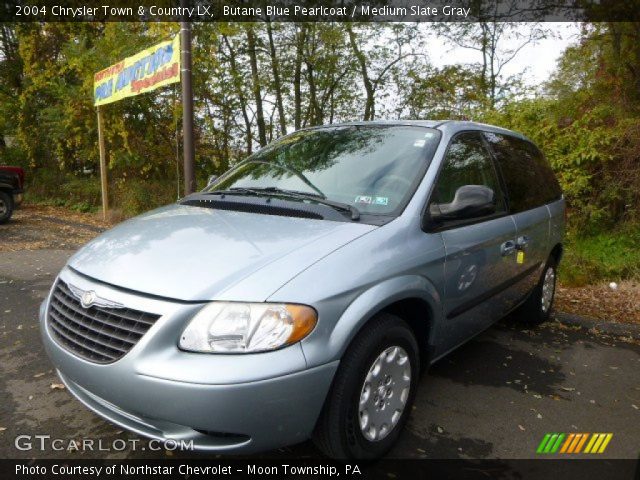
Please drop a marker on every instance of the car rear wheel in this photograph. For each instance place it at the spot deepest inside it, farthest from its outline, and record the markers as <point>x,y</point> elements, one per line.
<point>371,396</point>
<point>6,207</point>
<point>537,308</point>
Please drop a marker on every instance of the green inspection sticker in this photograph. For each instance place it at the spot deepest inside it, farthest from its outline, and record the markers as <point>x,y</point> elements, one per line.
<point>381,200</point>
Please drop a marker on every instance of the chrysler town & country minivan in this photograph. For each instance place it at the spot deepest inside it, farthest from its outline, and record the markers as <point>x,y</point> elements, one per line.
<point>301,293</point>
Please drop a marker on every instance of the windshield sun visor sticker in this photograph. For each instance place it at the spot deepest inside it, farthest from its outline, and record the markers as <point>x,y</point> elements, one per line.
<point>366,199</point>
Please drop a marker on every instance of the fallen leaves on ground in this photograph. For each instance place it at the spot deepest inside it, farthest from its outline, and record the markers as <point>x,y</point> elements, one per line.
<point>57,386</point>
<point>35,227</point>
<point>600,302</point>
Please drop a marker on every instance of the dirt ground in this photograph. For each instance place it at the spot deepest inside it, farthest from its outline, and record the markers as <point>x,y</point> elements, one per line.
<point>35,227</point>
<point>601,302</point>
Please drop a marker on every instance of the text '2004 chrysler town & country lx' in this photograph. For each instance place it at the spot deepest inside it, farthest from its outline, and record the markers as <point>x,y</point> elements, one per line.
<point>300,294</point>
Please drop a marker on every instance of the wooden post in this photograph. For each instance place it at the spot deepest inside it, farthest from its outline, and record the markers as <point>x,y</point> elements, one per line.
<point>103,166</point>
<point>187,103</point>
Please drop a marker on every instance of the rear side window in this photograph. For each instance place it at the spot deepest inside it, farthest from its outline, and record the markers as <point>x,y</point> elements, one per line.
<point>550,183</point>
<point>467,162</point>
<point>529,179</point>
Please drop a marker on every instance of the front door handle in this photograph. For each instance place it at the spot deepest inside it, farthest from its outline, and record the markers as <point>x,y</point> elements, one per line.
<point>507,248</point>
<point>522,242</point>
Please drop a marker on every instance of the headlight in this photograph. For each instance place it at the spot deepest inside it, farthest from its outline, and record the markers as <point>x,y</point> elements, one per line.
<point>229,327</point>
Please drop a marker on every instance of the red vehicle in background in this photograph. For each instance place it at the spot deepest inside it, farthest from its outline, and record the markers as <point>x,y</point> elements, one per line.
<point>11,190</point>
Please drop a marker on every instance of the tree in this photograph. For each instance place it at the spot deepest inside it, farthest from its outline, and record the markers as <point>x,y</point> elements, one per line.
<point>497,40</point>
<point>255,77</point>
<point>277,81</point>
<point>380,61</point>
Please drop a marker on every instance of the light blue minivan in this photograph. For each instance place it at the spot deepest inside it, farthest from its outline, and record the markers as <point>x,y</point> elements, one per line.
<point>301,294</point>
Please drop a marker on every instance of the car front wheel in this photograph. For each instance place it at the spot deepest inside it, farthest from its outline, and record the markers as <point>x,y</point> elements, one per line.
<point>6,207</point>
<point>372,393</point>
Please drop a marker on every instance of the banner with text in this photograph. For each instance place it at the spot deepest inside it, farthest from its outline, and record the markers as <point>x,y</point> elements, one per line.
<point>147,70</point>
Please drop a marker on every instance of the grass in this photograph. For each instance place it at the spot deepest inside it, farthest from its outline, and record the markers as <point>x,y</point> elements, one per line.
<point>82,194</point>
<point>605,256</point>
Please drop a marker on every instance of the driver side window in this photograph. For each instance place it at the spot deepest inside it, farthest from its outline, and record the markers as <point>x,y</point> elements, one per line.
<point>467,162</point>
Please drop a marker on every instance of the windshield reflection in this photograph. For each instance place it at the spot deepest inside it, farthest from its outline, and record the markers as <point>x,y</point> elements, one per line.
<point>373,168</point>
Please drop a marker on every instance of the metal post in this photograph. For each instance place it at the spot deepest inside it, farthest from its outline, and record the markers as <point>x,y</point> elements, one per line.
<point>187,103</point>
<point>103,166</point>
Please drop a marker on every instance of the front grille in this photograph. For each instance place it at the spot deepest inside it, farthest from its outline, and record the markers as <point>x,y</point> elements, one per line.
<point>97,334</point>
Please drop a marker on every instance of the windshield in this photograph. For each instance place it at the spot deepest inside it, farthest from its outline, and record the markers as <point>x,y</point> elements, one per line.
<point>373,168</point>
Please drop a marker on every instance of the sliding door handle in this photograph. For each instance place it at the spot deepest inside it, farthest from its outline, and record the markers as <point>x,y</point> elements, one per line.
<point>522,242</point>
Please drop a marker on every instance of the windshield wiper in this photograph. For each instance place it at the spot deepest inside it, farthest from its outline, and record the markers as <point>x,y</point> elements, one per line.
<point>312,197</point>
<point>281,192</point>
<point>235,191</point>
<point>297,173</point>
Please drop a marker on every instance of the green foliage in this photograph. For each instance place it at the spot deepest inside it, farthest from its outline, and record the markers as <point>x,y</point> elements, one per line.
<point>588,125</point>
<point>15,156</point>
<point>606,256</point>
<point>136,196</point>
<point>61,189</point>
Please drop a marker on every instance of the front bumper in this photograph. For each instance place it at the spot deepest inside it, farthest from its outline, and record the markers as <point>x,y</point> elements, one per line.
<point>223,403</point>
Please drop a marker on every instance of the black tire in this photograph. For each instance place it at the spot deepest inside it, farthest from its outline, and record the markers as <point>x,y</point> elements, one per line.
<point>338,433</point>
<point>532,312</point>
<point>6,207</point>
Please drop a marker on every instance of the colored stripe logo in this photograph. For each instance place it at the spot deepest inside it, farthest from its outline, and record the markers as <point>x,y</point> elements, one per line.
<point>574,443</point>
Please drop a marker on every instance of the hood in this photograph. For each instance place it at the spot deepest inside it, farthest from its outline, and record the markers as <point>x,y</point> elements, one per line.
<point>200,254</point>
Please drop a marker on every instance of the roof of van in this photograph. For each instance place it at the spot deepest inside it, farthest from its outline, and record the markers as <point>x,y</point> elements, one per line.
<point>452,126</point>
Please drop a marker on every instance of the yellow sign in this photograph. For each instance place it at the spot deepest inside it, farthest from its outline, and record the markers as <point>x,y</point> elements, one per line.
<point>145,71</point>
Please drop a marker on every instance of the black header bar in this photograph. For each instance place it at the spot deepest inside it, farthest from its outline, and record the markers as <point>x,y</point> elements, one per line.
<point>323,11</point>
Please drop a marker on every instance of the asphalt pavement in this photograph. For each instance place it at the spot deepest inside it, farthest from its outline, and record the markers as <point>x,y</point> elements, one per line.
<point>495,397</point>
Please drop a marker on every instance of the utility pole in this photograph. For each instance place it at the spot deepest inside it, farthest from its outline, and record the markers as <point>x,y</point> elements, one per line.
<point>187,103</point>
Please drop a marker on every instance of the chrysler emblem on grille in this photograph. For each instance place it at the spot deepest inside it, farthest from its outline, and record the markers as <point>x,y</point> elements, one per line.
<point>88,298</point>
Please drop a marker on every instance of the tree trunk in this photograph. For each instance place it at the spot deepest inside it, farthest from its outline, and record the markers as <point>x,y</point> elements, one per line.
<point>257,95</point>
<point>484,84</point>
<point>369,109</point>
<point>275,68</point>
<point>315,115</point>
<point>241,98</point>
<point>297,77</point>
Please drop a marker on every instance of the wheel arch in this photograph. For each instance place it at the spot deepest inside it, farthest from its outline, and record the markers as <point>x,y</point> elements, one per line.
<point>419,315</point>
<point>557,251</point>
<point>412,298</point>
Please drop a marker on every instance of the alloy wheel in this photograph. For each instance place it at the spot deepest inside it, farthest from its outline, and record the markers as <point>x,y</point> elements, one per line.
<point>384,393</point>
<point>548,289</point>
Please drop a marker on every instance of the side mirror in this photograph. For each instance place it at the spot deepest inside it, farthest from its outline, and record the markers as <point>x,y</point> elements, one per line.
<point>470,201</point>
<point>211,180</point>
